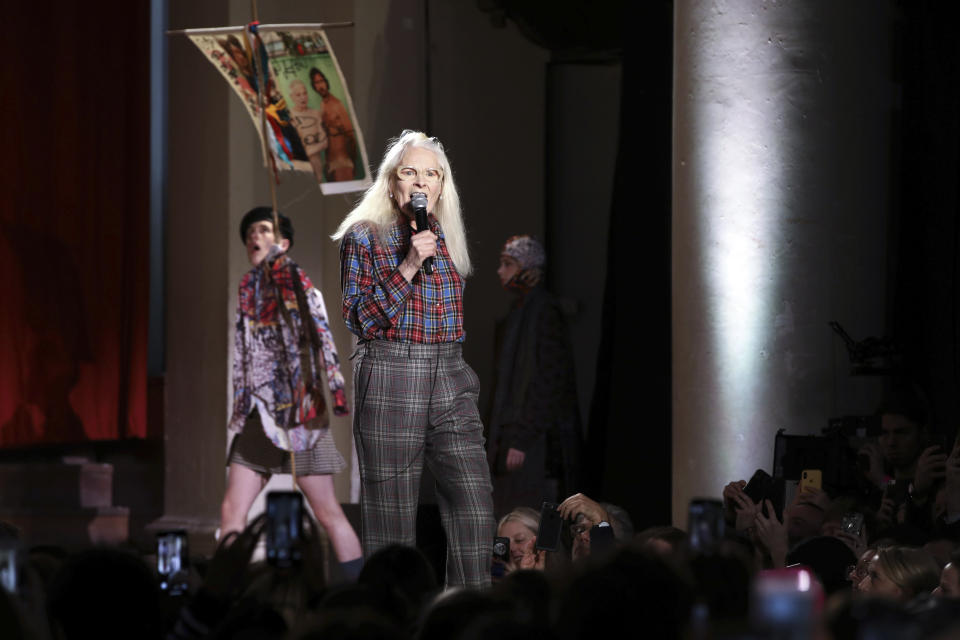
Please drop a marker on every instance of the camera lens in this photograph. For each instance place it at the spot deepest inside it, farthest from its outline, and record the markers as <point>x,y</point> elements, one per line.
<point>499,548</point>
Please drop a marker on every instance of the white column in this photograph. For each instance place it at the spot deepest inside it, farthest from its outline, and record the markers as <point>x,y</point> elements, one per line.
<point>782,116</point>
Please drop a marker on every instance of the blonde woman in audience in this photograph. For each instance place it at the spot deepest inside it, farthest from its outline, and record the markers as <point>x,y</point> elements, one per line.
<point>901,574</point>
<point>521,526</point>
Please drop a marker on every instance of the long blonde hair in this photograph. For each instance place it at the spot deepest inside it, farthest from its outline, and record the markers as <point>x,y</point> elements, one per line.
<point>378,209</point>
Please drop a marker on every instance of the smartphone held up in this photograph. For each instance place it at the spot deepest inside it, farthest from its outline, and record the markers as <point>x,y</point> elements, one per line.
<point>284,528</point>
<point>705,524</point>
<point>551,524</point>
<point>173,561</point>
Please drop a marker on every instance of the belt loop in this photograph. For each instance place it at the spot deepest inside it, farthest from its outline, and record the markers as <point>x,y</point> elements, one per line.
<point>360,349</point>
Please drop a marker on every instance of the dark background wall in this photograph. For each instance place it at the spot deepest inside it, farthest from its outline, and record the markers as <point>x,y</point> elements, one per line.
<point>924,253</point>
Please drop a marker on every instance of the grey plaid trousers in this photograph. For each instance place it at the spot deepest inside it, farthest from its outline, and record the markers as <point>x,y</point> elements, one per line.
<point>417,403</point>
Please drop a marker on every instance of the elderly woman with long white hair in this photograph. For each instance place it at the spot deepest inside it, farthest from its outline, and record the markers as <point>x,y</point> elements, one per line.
<point>415,397</point>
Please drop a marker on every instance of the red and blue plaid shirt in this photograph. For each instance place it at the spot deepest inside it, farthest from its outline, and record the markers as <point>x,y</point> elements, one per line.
<point>379,303</point>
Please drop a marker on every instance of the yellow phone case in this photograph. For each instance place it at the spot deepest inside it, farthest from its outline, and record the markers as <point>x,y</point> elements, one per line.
<point>810,478</point>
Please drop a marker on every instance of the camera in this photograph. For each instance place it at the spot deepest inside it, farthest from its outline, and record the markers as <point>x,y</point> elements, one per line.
<point>284,528</point>
<point>501,549</point>
<point>501,556</point>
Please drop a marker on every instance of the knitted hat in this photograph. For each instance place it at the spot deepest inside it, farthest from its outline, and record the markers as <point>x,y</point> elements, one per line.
<point>526,250</point>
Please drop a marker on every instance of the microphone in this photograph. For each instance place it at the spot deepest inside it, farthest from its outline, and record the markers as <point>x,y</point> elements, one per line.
<point>418,201</point>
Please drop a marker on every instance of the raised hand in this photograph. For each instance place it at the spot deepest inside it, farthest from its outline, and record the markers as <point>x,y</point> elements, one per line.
<point>579,503</point>
<point>813,496</point>
<point>532,557</point>
<point>229,563</point>
<point>931,466</point>
<point>423,245</point>
<point>875,473</point>
<point>772,534</point>
<point>886,515</point>
<point>739,504</point>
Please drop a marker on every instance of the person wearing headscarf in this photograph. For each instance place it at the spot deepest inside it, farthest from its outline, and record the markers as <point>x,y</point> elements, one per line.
<point>534,440</point>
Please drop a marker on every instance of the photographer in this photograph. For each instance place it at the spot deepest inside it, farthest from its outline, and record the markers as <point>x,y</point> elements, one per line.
<point>802,519</point>
<point>935,511</point>
<point>520,526</point>
<point>903,467</point>
<point>595,527</point>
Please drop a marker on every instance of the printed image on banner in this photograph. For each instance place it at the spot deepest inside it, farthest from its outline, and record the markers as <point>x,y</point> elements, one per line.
<point>312,126</point>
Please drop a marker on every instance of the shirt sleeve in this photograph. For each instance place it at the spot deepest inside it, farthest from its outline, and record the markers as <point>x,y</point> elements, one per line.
<point>370,304</point>
<point>318,311</point>
<point>241,365</point>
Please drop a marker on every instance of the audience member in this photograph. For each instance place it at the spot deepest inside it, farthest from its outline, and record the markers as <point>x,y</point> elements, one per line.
<point>903,437</point>
<point>900,573</point>
<point>629,593</point>
<point>402,576</point>
<point>858,571</point>
<point>802,519</point>
<point>521,526</point>
<point>105,593</point>
<point>650,584</point>
<point>873,618</point>
<point>530,594</point>
<point>358,611</point>
<point>593,528</point>
<point>828,558</point>
<point>722,588</point>
<point>533,439</point>
<point>454,612</point>
<point>665,541</point>
<point>936,617</point>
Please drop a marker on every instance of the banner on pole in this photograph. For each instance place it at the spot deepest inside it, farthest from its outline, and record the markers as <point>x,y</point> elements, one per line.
<point>311,124</point>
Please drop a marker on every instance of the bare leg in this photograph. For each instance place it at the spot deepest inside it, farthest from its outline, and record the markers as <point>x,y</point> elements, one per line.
<point>316,161</point>
<point>323,501</point>
<point>243,486</point>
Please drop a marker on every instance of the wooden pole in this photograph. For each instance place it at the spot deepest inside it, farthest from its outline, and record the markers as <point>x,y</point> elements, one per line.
<point>286,26</point>
<point>262,101</point>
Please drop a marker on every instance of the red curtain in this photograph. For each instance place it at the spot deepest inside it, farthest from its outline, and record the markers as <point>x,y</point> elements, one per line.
<point>74,215</point>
